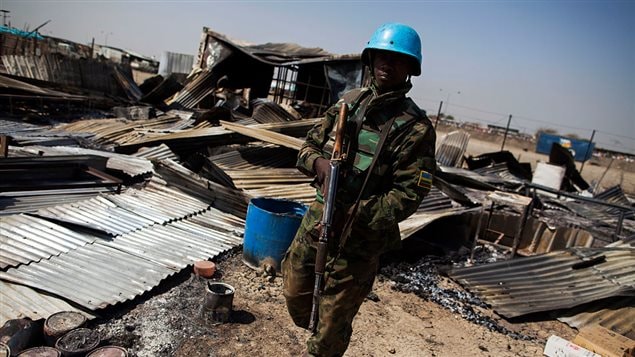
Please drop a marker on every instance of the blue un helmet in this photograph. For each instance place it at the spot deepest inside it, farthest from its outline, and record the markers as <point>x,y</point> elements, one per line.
<point>395,37</point>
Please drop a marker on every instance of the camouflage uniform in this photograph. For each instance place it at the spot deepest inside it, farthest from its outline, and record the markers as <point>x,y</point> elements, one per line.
<point>401,178</point>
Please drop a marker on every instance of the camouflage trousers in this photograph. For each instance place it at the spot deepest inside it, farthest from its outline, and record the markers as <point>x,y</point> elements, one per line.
<point>347,282</point>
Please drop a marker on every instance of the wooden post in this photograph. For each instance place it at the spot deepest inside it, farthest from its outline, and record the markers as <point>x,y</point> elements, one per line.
<point>4,146</point>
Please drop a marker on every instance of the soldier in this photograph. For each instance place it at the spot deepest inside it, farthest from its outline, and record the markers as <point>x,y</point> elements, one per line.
<point>398,181</point>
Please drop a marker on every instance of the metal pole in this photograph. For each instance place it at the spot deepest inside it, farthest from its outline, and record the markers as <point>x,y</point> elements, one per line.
<point>521,228</point>
<point>618,228</point>
<point>438,114</point>
<point>587,150</point>
<point>608,167</point>
<point>506,130</point>
<point>478,230</point>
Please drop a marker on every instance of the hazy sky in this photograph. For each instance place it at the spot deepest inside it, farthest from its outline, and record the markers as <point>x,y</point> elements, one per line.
<point>565,65</point>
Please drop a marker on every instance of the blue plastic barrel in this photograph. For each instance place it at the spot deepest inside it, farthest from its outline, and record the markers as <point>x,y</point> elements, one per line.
<point>269,229</point>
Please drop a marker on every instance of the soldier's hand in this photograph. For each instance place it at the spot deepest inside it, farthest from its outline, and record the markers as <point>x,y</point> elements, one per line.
<point>322,169</point>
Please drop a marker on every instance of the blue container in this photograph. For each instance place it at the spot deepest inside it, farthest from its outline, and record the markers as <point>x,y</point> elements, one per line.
<point>269,229</point>
<point>581,150</point>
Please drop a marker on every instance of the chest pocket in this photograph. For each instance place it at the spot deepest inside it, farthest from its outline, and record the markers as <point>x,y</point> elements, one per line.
<point>367,144</point>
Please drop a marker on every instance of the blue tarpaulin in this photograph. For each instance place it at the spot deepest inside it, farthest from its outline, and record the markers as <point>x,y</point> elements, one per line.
<point>21,33</point>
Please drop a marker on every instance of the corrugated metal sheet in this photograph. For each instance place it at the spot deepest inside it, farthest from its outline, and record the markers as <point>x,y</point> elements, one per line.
<point>258,156</point>
<point>97,213</point>
<point>419,220</point>
<point>226,199</point>
<point>130,165</point>
<point>25,239</point>
<point>30,201</point>
<point>22,134</point>
<point>116,132</point>
<point>615,314</point>
<point>265,135</point>
<point>84,73</point>
<point>555,280</point>
<point>501,170</point>
<point>93,276</point>
<point>10,83</point>
<point>160,152</point>
<point>195,90</point>
<point>266,111</point>
<point>181,243</point>
<point>261,178</point>
<point>303,193</point>
<point>179,141</point>
<point>451,149</point>
<point>172,62</point>
<point>616,196</point>
<point>88,276</point>
<point>129,211</point>
<point>18,301</point>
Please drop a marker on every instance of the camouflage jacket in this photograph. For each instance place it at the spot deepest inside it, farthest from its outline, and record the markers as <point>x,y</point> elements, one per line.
<point>402,175</point>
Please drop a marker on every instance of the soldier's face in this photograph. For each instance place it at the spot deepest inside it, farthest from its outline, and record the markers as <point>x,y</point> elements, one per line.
<point>390,69</point>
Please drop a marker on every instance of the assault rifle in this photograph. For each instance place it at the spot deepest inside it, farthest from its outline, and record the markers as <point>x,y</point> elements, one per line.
<point>327,213</point>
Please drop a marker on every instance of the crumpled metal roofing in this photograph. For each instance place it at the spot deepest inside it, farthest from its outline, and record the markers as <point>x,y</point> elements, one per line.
<point>16,202</point>
<point>265,135</point>
<point>130,165</point>
<point>129,211</point>
<point>88,277</point>
<point>556,280</point>
<point>452,147</point>
<point>224,198</point>
<point>159,152</point>
<point>25,239</point>
<point>616,315</point>
<point>280,53</point>
<point>10,83</point>
<point>93,276</point>
<point>23,133</point>
<point>253,157</point>
<point>303,193</point>
<point>19,301</point>
<point>115,132</point>
<point>500,170</point>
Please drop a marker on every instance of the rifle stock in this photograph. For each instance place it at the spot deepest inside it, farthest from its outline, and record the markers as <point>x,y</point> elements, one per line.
<point>327,213</point>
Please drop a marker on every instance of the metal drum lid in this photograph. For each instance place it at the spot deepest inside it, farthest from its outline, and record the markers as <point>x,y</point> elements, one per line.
<point>43,351</point>
<point>109,351</point>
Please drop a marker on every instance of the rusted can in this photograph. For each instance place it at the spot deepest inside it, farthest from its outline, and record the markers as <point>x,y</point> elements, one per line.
<point>43,351</point>
<point>109,351</point>
<point>219,299</point>
<point>60,323</point>
<point>78,342</point>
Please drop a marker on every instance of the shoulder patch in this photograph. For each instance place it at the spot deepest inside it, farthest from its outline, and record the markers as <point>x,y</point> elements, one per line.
<point>425,179</point>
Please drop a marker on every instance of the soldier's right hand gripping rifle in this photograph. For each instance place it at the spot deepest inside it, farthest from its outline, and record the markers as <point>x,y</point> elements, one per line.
<point>327,214</point>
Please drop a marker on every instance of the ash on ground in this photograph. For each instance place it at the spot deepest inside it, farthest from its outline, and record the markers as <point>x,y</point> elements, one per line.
<point>424,279</point>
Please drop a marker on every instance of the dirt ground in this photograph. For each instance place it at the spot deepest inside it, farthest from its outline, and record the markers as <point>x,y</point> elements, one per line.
<point>390,322</point>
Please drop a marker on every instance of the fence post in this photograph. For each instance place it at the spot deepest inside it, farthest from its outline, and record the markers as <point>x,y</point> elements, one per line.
<point>587,150</point>
<point>506,130</point>
<point>438,114</point>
